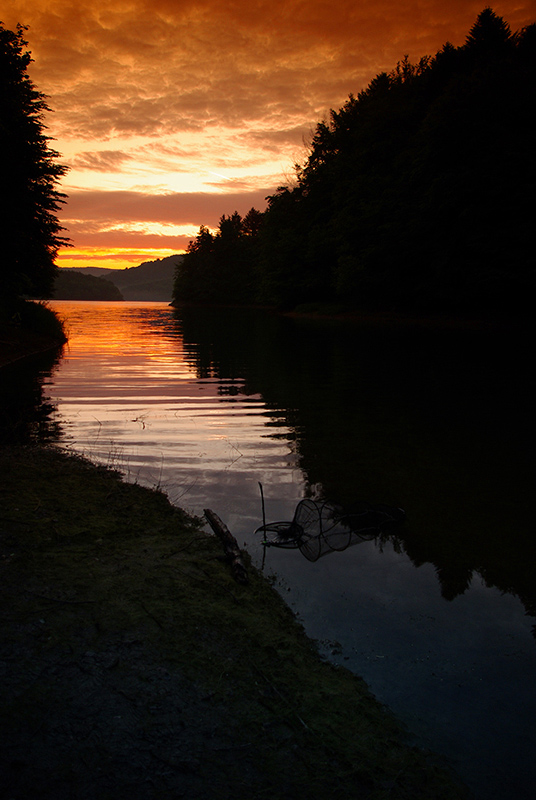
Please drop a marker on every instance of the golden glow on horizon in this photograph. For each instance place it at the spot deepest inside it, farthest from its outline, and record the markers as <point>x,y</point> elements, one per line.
<point>111,258</point>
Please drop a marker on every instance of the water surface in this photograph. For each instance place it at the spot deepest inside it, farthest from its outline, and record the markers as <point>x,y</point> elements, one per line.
<point>439,618</point>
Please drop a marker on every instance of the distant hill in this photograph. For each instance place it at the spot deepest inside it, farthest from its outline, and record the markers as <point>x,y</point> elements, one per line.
<point>73,285</point>
<point>152,280</point>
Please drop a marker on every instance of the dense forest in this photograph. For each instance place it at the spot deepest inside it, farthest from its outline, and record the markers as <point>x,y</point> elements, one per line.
<point>418,194</point>
<point>72,285</point>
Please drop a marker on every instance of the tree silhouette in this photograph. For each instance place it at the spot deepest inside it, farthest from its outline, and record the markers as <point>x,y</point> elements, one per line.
<point>417,195</point>
<point>490,35</point>
<point>30,233</point>
<point>220,268</point>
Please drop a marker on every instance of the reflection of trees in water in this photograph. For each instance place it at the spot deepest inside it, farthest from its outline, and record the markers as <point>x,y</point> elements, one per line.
<point>436,421</point>
<point>25,412</point>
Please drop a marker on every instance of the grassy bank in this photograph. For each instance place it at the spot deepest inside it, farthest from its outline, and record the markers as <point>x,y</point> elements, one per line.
<point>133,665</point>
<point>26,328</point>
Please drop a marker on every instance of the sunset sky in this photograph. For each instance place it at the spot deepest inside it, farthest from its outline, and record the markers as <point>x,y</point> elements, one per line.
<point>170,113</point>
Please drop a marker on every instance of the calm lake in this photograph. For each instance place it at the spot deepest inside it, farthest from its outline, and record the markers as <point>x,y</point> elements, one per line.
<point>438,616</point>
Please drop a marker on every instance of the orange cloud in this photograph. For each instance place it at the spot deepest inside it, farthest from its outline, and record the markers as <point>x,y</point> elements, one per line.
<point>179,208</point>
<point>117,226</point>
<point>176,111</point>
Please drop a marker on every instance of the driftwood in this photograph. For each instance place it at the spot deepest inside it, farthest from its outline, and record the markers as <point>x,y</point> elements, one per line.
<point>230,546</point>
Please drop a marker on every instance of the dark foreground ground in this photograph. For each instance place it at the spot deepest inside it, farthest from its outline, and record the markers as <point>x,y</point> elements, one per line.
<point>133,665</point>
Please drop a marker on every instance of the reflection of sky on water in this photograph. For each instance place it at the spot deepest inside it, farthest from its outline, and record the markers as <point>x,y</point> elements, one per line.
<point>128,395</point>
<point>460,673</point>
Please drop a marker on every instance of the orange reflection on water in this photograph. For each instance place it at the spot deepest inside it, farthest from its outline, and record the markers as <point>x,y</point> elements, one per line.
<point>122,330</point>
<point>128,391</point>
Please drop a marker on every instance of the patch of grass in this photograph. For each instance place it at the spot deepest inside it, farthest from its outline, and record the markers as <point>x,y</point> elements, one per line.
<point>39,318</point>
<point>119,609</point>
<point>27,328</point>
<point>32,316</point>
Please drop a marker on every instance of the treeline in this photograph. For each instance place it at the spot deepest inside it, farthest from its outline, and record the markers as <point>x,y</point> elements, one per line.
<point>416,194</point>
<point>221,267</point>
<point>77,286</point>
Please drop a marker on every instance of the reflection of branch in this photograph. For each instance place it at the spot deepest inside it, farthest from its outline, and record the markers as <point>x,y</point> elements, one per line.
<point>234,447</point>
<point>99,424</point>
<point>240,455</point>
<point>188,488</point>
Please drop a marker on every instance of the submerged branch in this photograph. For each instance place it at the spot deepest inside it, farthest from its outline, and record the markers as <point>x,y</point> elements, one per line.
<point>230,546</point>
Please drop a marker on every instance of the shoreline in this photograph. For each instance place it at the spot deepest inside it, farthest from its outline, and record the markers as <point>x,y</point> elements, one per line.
<point>12,352</point>
<point>127,645</point>
<point>28,329</point>
<point>318,312</point>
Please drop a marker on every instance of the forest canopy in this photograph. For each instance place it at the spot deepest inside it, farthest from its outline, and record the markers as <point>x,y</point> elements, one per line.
<point>417,194</point>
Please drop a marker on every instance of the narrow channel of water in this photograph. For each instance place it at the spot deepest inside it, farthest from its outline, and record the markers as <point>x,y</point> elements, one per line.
<point>439,618</point>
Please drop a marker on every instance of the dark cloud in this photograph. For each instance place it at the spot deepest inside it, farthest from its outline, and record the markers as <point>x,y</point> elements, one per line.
<point>130,240</point>
<point>140,68</point>
<point>179,208</point>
